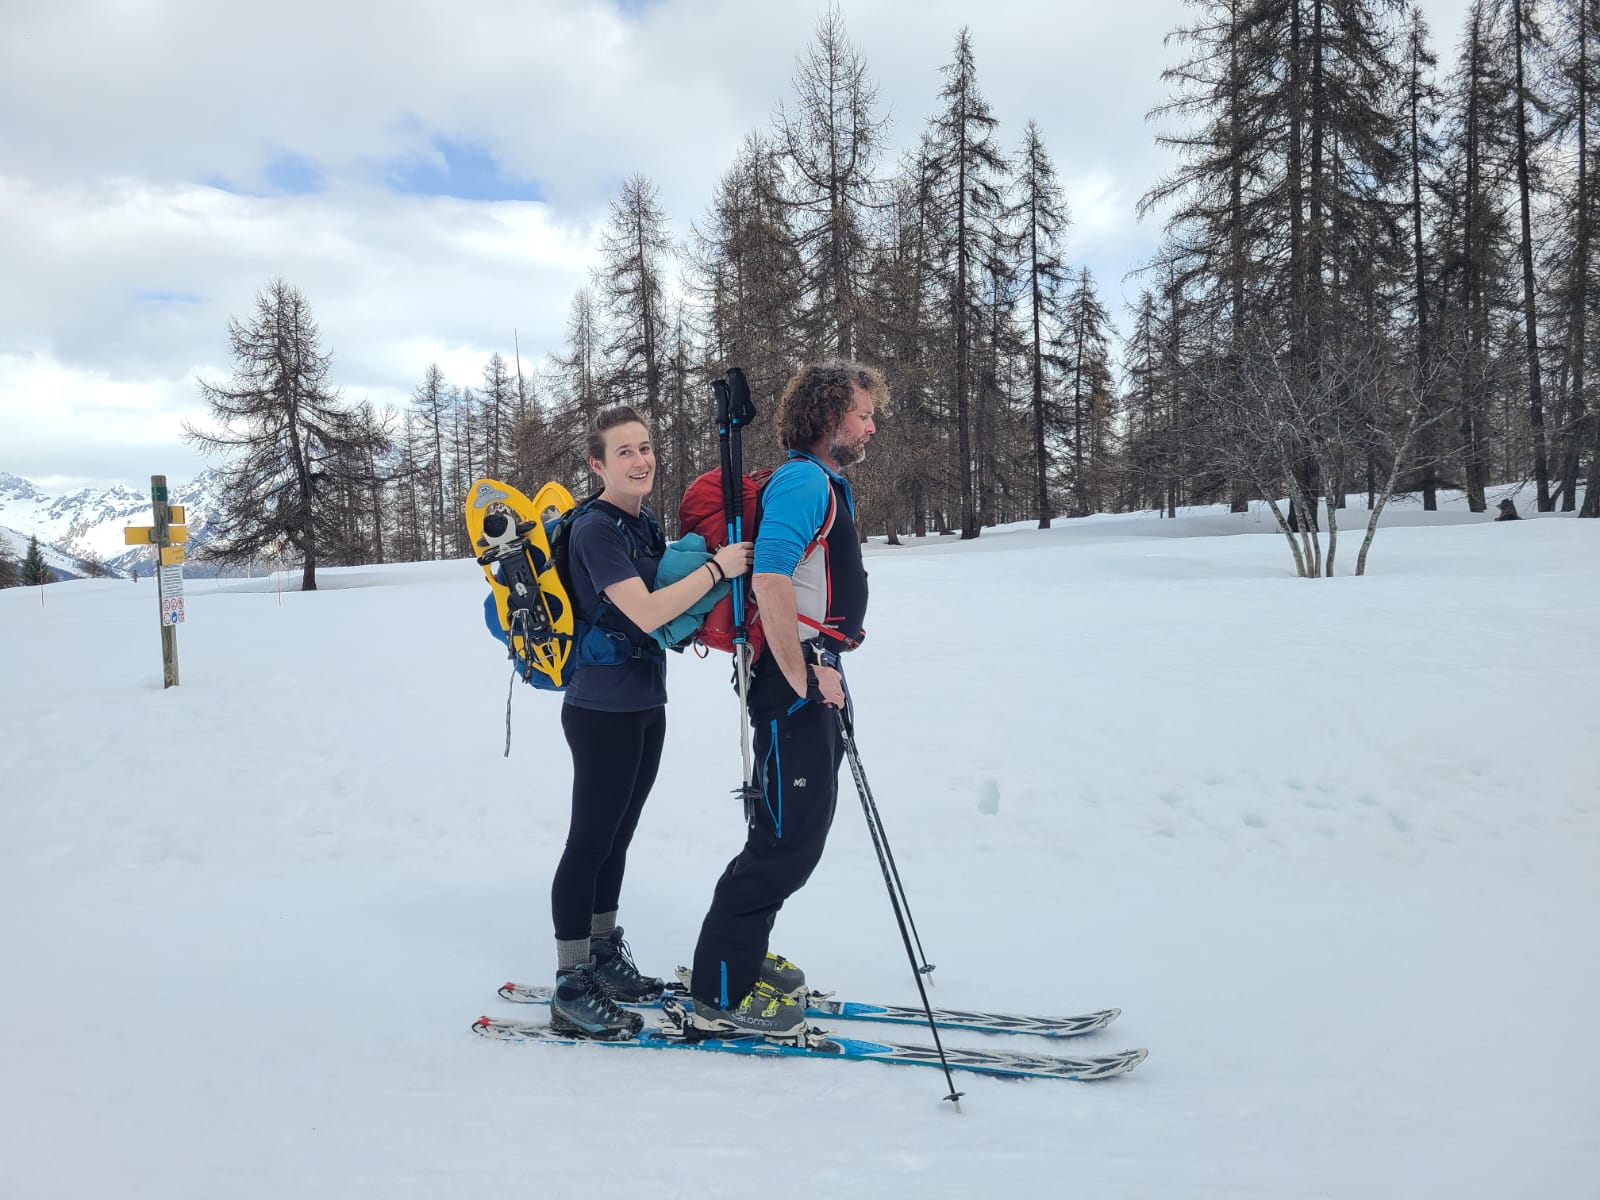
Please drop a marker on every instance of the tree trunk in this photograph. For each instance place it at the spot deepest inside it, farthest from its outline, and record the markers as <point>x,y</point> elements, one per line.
<point>1541,464</point>
<point>1579,407</point>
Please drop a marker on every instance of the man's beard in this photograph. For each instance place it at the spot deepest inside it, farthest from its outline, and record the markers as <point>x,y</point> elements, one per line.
<point>846,454</point>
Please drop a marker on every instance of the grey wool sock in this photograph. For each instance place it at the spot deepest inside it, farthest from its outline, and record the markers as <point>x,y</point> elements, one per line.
<point>571,954</point>
<point>601,924</point>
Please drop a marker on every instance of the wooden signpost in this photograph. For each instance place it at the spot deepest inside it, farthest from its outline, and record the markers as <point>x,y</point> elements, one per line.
<point>167,530</point>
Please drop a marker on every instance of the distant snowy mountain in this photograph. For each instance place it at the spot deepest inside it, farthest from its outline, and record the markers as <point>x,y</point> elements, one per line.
<point>91,521</point>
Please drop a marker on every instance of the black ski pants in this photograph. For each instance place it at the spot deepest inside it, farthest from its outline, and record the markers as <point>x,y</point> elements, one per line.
<point>798,755</point>
<point>614,761</point>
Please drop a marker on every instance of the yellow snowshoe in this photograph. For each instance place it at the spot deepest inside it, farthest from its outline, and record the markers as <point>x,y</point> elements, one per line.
<point>508,537</point>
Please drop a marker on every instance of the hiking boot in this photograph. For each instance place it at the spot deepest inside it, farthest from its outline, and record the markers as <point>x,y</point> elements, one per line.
<point>781,975</point>
<point>584,1007</point>
<point>763,1011</point>
<point>614,964</point>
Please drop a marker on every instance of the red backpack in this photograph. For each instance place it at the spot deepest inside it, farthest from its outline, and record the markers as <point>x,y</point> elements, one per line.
<point>700,511</point>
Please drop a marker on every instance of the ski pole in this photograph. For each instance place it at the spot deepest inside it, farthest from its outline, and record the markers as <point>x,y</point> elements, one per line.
<point>741,411</point>
<point>733,410</point>
<point>891,880</point>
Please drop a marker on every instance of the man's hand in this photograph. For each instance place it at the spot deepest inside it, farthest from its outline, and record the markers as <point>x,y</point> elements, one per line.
<point>830,684</point>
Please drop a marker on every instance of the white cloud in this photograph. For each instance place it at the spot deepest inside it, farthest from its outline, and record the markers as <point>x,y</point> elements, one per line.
<point>121,265</point>
<point>86,427</point>
<point>131,287</point>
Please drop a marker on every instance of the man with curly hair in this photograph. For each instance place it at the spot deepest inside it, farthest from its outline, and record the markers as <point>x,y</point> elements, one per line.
<point>811,590</point>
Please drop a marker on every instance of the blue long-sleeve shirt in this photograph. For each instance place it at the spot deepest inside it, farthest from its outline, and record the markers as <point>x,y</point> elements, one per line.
<point>793,507</point>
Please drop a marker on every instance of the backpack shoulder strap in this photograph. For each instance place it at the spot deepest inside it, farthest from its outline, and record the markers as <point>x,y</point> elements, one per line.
<point>833,498</point>
<point>657,542</point>
<point>833,512</point>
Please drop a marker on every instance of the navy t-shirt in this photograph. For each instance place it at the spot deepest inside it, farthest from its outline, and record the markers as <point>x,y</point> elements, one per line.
<point>598,556</point>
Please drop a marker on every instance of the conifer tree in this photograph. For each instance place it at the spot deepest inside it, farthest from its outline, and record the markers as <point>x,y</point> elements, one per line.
<point>1083,347</point>
<point>431,404</point>
<point>1476,290</point>
<point>748,276</point>
<point>636,250</point>
<point>1421,99</point>
<point>967,168</point>
<point>553,442</point>
<point>1574,107</point>
<point>907,474</point>
<point>1041,210</point>
<point>830,140</point>
<point>34,569</point>
<point>498,401</point>
<point>1527,39</point>
<point>302,452</point>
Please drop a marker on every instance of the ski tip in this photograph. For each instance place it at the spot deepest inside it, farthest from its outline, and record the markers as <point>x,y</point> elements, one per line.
<point>1132,1058</point>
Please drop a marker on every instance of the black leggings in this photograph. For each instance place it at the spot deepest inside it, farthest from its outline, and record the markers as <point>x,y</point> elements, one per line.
<point>614,762</point>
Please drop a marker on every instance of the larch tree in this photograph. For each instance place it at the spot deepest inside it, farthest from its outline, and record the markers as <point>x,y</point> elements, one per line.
<point>748,278</point>
<point>1083,347</point>
<point>297,451</point>
<point>967,168</point>
<point>636,251</point>
<point>1043,216</point>
<point>1574,106</point>
<point>829,141</point>
<point>430,406</point>
<point>1525,40</point>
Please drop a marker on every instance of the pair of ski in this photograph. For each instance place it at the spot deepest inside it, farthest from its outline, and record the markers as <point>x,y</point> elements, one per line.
<point>670,1035</point>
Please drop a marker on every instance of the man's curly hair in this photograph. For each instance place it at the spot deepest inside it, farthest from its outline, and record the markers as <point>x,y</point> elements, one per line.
<point>819,395</point>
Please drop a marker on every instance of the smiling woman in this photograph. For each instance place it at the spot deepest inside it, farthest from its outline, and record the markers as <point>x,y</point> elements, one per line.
<point>615,722</point>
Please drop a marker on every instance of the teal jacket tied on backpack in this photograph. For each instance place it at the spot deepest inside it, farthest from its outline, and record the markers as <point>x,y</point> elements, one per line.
<point>683,558</point>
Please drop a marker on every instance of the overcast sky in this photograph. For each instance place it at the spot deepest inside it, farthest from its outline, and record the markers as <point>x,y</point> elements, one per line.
<point>434,175</point>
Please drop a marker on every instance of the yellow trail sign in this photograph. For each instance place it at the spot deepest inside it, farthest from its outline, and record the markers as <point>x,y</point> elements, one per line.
<point>170,555</point>
<point>144,535</point>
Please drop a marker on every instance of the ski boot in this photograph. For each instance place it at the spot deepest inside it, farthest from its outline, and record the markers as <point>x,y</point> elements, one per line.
<point>763,1013</point>
<point>782,976</point>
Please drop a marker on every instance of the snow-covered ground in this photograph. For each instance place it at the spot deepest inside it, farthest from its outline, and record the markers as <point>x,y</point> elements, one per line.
<point>1331,845</point>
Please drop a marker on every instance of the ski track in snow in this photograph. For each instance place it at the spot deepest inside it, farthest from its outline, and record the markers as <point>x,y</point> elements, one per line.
<point>1331,846</point>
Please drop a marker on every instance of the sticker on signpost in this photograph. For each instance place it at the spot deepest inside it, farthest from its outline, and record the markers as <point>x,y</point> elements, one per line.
<point>171,610</point>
